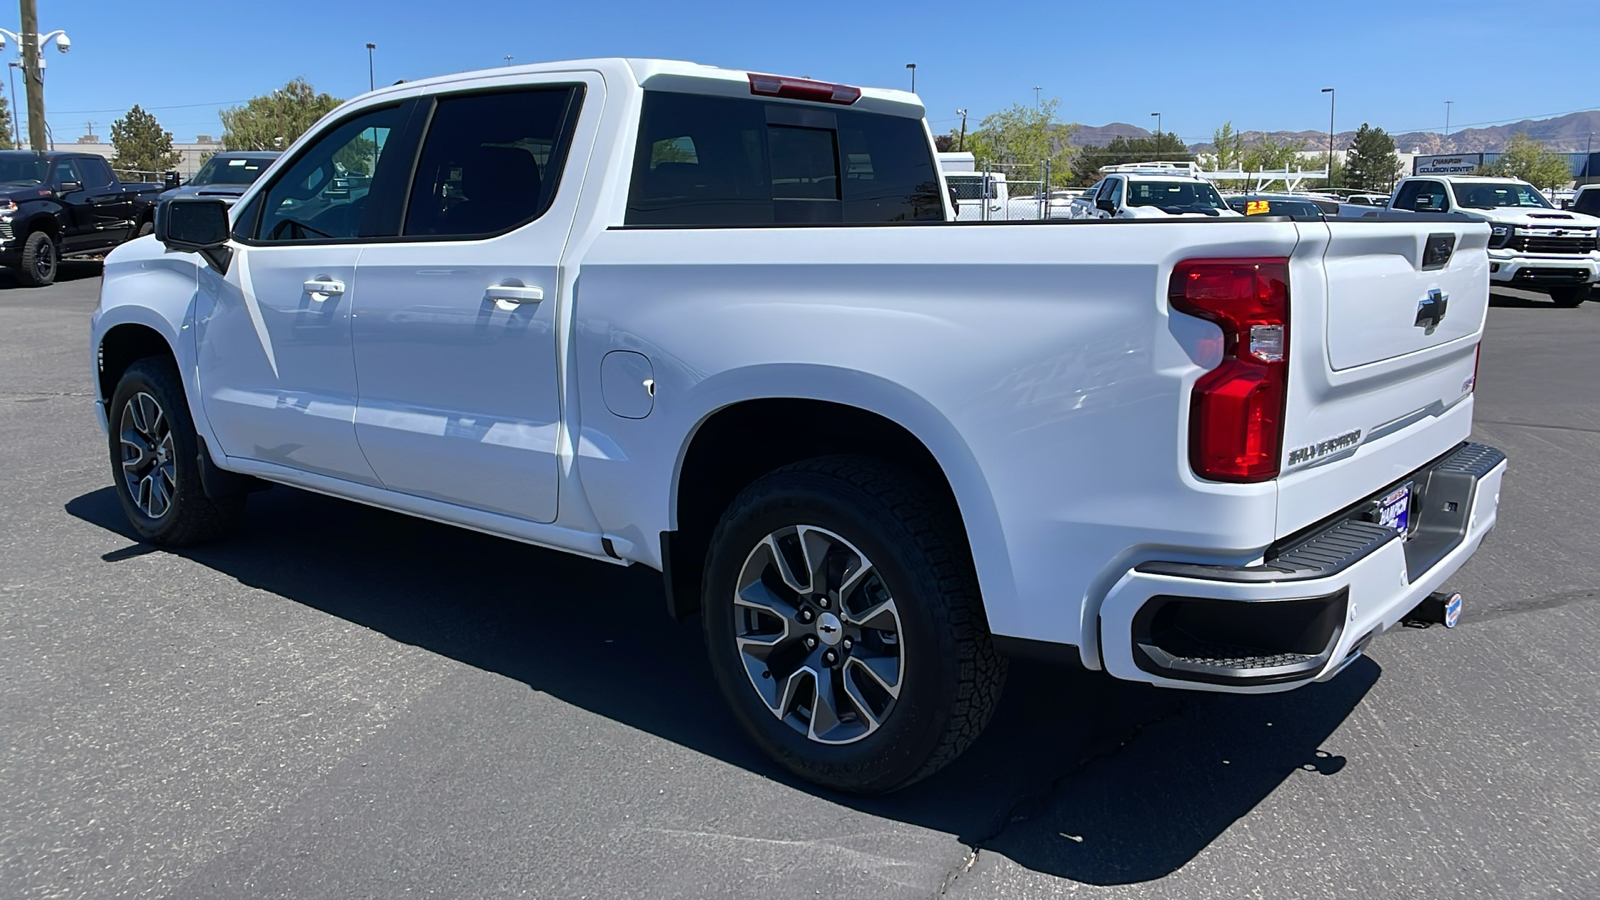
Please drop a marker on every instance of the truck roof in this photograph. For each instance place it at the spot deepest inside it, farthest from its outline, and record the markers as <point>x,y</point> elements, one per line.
<point>52,154</point>
<point>1468,178</point>
<point>664,75</point>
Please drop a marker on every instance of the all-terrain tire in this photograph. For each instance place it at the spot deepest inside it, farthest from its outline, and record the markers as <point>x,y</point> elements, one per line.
<point>950,675</point>
<point>40,260</point>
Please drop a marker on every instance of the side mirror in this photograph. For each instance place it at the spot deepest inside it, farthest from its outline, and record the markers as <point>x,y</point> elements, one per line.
<point>169,180</point>
<point>195,225</point>
<point>70,187</point>
<point>955,198</point>
<point>1104,205</point>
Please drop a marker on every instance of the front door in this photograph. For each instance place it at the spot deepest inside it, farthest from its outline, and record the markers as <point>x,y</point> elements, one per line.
<point>108,205</point>
<point>455,329</point>
<point>277,372</point>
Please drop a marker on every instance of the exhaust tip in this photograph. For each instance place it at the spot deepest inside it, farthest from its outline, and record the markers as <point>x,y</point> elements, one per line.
<point>1438,608</point>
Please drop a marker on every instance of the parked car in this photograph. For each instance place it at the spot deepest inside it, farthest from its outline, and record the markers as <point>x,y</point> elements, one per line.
<point>876,451</point>
<point>225,174</point>
<point>1151,193</point>
<point>1533,245</point>
<point>1281,205</point>
<point>1587,200</point>
<point>60,205</point>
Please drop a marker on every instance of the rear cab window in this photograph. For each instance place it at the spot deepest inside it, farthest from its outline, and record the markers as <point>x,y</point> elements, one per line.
<point>713,161</point>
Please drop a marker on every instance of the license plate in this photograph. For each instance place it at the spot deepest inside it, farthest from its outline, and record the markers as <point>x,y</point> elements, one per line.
<point>1394,510</point>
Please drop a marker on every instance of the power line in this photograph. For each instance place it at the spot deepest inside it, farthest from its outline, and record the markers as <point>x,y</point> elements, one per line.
<point>81,112</point>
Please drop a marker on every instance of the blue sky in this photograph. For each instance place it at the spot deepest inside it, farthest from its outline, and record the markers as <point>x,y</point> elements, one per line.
<point>1259,64</point>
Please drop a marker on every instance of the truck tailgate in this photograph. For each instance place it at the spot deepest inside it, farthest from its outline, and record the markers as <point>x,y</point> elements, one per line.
<point>1384,385</point>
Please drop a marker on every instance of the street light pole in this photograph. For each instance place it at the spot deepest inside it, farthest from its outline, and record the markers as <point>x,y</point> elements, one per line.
<point>1447,105</point>
<point>371,82</point>
<point>508,59</point>
<point>1036,100</point>
<point>16,114</point>
<point>913,68</point>
<point>961,143</point>
<point>1331,96</point>
<point>1158,125</point>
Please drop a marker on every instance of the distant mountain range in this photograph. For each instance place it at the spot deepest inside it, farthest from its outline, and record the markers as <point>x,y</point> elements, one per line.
<point>1569,133</point>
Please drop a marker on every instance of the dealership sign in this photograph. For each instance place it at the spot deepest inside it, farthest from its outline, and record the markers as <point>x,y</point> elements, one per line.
<point>1458,164</point>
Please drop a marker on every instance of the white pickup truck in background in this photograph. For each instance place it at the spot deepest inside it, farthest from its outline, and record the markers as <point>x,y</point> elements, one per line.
<point>717,323</point>
<point>1532,244</point>
<point>1153,192</point>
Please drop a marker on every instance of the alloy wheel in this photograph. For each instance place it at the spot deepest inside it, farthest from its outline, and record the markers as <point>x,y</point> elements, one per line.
<point>819,634</point>
<point>149,461</point>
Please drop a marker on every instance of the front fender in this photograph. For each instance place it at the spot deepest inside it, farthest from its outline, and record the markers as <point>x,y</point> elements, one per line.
<point>146,285</point>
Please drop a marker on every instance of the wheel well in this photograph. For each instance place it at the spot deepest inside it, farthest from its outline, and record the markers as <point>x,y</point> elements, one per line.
<point>46,224</point>
<point>121,347</point>
<point>740,443</point>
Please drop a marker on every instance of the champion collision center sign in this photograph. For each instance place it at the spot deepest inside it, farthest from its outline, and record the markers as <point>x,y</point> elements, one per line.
<point>1456,164</point>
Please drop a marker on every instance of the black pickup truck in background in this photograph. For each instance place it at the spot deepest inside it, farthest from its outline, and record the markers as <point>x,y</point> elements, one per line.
<point>60,205</point>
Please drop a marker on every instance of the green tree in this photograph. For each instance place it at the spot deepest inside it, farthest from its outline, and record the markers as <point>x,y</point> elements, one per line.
<point>1024,136</point>
<point>1269,153</point>
<point>1163,146</point>
<point>1371,163</point>
<point>1230,147</point>
<point>272,121</point>
<point>141,144</point>
<point>1528,160</point>
<point>5,124</point>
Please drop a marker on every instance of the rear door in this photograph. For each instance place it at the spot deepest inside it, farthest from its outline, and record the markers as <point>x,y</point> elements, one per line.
<point>455,320</point>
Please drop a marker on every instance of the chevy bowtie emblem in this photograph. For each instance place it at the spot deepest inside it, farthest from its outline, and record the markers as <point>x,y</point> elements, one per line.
<point>1430,312</point>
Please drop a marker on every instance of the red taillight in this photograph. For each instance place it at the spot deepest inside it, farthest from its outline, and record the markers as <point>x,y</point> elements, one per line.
<point>803,89</point>
<point>1236,411</point>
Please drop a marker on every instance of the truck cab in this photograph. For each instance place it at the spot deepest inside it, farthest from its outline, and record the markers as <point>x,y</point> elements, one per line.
<point>1532,244</point>
<point>1156,191</point>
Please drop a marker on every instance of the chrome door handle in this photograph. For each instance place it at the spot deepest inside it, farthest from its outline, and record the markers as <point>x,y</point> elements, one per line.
<point>324,286</point>
<point>507,297</point>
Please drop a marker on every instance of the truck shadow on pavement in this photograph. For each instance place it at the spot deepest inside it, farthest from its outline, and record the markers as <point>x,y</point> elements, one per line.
<point>1078,776</point>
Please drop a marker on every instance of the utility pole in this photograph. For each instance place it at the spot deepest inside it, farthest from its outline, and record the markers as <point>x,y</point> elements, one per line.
<point>961,143</point>
<point>1331,96</point>
<point>29,39</point>
<point>1447,105</point>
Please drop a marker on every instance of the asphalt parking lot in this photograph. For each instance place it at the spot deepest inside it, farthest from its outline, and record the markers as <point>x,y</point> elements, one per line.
<point>342,702</point>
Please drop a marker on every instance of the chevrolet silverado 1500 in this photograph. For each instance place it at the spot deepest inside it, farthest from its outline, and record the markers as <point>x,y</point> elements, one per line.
<point>718,323</point>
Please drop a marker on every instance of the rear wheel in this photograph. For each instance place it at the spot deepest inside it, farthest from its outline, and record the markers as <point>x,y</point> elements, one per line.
<point>39,260</point>
<point>155,460</point>
<point>1569,297</point>
<point>844,625</point>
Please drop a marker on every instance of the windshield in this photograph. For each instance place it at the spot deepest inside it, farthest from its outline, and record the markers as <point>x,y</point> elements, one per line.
<point>1175,196</point>
<point>1492,194</point>
<point>219,170</point>
<point>22,169</point>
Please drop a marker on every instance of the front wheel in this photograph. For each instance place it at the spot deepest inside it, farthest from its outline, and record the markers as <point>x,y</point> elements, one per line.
<point>844,625</point>
<point>39,260</point>
<point>1569,297</point>
<point>155,460</point>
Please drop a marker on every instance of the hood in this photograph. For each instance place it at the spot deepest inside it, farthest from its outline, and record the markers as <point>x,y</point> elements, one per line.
<point>226,192</point>
<point>1533,218</point>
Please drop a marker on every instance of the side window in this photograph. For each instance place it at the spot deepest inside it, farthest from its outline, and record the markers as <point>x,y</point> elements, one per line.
<point>323,193</point>
<point>1588,202</point>
<point>1116,192</point>
<point>1422,196</point>
<point>1105,189</point>
<point>96,174</point>
<point>66,170</point>
<point>491,161</point>
<point>725,161</point>
<point>1407,198</point>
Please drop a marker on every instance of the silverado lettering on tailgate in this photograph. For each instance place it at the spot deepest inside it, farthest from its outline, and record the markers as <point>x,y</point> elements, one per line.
<point>1314,452</point>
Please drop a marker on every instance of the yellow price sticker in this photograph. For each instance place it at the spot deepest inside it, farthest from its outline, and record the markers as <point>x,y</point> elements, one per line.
<point>1257,207</point>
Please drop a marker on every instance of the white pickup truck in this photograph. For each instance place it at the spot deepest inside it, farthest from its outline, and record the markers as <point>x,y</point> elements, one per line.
<point>717,323</point>
<point>1158,192</point>
<point>1532,244</point>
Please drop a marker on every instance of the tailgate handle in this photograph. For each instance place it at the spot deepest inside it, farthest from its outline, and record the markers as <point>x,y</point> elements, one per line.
<point>1436,253</point>
<point>1430,312</point>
